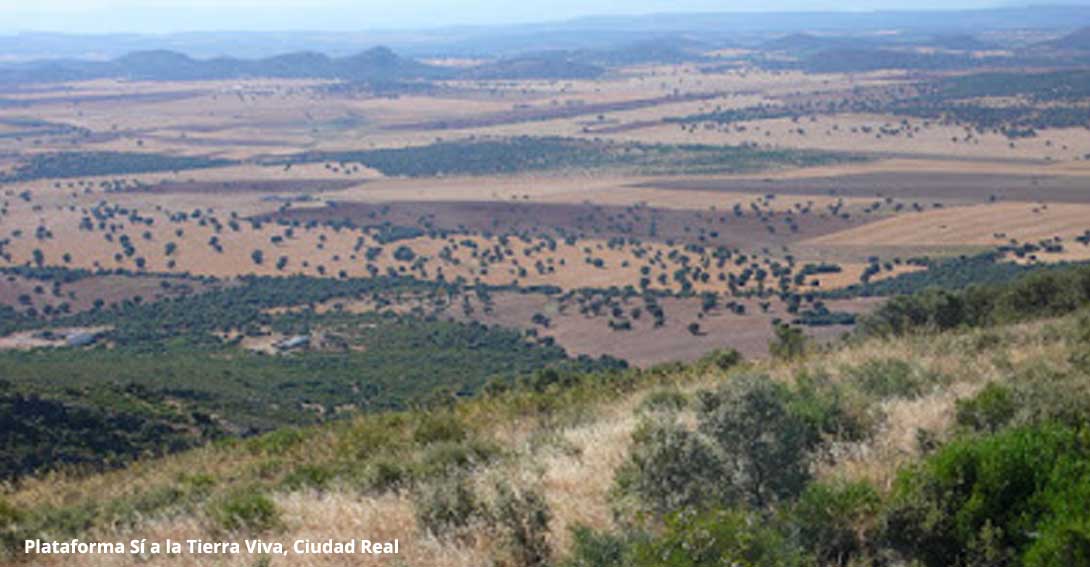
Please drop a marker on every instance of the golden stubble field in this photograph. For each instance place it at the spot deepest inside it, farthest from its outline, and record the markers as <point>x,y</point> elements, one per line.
<point>255,118</point>
<point>244,118</point>
<point>214,244</point>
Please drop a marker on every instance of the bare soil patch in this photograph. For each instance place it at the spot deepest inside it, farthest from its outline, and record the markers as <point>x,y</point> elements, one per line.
<point>945,186</point>
<point>83,294</point>
<point>645,345</point>
<point>708,227</point>
<point>251,186</point>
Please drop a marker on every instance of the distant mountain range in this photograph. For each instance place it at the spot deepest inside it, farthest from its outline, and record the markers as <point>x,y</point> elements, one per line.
<point>375,65</point>
<point>589,33</point>
<point>378,63</point>
<point>815,51</point>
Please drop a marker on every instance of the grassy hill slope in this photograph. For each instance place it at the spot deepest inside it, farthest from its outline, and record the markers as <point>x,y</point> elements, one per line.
<point>954,433</point>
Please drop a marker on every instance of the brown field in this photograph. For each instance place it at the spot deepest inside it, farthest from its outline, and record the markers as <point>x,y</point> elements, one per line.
<point>712,227</point>
<point>853,132</point>
<point>925,187</point>
<point>327,251</point>
<point>921,193</point>
<point>82,294</point>
<point>645,344</point>
<point>586,332</point>
<point>990,224</point>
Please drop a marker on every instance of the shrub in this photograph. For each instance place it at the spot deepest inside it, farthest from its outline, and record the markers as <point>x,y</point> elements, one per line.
<point>594,549</point>
<point>17,525</point>
<point>447,457</point>
<point>1038,394</point>
<point>889,378</point>
<point>989,410</point>
<point>276,442</point>
<point>522,517</point>
<point>446,506</point>
<point>244,509</point>
<point>1020,493</point>
<point>719,537</point>
<point>188,489</point>
<point>372,436</point>
<point>751,447</point>
<point>789,343</point>
<point>669,467</point>
<point>306,475</point>
<point>837,521</point>
<point>385,473</point>
<point>11,537</point>
<point>1043,394</point>
<point>664,401</point>
<point>830,409</point>
<point>723,359</point>
<point>404,254</point>
<point>438,426</point>
<point>1043,293</point>
<point>761,442</point>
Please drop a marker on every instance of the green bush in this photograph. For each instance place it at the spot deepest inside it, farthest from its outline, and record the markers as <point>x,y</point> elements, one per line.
<point>597,549</point>
<point>838,521</point>
<point>247,509</point>
<point>751,446</point>
<point>989,410</point>
<point>889,378</point>
<point>446,506</point>
<point>434,427</point>
<point>830,409</point>
<point>1043,394</point>
<point>670,467</point>
<point>385,473</point>
<point>1036,394</point>
<point>308,475</point>
<point>789,343</point>
<point>1019,494</point>
<point>448,457</point>
<point>522,518</point>
<point>276,442</point>
<point>372,436</point>
<point>19,524</point>
<point>761,442</point>
<point>722,359</point>
<point>1042,293</point>
<point>182,495</point>
<point>11,537</point>
<point>716,538</point>
<point>1079,339</point>
<point>664,401</point>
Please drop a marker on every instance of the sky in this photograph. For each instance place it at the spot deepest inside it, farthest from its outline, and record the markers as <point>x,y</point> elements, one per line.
<point>159,16</point>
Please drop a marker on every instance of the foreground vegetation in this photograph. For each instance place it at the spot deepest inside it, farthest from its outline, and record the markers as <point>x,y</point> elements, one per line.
<point>177,373</point>
<point>915,445</point>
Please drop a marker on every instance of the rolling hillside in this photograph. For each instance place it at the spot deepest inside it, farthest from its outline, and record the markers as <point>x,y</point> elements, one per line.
<point>947,432</point>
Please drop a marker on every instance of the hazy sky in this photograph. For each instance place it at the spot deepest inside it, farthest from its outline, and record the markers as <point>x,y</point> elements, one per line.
<point>180,15</point>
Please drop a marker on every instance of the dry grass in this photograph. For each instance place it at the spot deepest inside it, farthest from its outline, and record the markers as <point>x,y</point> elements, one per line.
<point>573,460</point>
<point>982,225</point>
<point>312,249</point>
<point>852,132</point>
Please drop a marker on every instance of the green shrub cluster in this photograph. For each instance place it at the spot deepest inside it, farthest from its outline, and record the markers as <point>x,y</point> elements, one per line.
<point>751,447</point>
<point>519,517</point>
<point>1017,497</point>
<point>1044,293</point>
<point>244,509</point>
